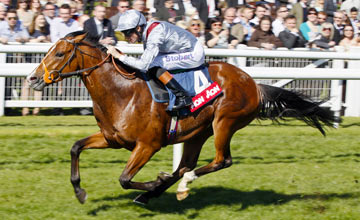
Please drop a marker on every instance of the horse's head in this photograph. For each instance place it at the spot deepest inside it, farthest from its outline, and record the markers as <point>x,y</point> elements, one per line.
<point>60,62</point>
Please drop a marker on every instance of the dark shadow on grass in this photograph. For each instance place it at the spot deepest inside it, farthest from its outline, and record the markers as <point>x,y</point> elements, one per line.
<point>45,125</point>
<point>47,161</point>
<point>349,125</point>
<point>212,196</point>
<point>287,159</point>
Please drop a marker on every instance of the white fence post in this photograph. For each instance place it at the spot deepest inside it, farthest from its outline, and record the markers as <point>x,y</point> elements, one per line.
<point>336,91</point>
<point>353,89</point>
<point>177,153</point>
<point>2,87</point>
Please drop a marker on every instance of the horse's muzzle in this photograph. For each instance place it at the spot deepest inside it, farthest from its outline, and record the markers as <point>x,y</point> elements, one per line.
<point>35,82</point>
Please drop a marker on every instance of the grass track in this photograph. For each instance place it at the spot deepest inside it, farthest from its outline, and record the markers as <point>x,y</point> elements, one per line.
<point>279,172</point>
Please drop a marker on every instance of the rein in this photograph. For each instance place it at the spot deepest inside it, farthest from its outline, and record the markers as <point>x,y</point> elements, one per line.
<point>49,76</point>
<point>122,73</point>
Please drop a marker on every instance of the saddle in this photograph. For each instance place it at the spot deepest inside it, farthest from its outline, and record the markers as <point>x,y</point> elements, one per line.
<point>196,82</point>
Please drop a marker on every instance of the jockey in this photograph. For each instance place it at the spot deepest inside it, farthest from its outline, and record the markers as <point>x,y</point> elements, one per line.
<point>166,47</point>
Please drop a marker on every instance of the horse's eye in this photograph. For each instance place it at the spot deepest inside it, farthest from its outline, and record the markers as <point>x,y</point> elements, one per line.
<point>59,54</point>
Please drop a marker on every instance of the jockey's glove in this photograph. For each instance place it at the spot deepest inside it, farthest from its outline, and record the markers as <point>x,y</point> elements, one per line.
<point>115,53</point>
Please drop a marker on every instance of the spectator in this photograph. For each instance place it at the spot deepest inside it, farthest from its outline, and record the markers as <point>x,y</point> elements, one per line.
<point>214,11</point>
<point>325,39</point>
<point>6,4</point>
<point>197,28</point>
<point>354,14</point>
<point>346,19</point>
<point>291,37</point>
<point>235,3</point>
<point>219,38</point>
<point>338,21</point>
<point>189,10</point>
<point>73,10</point>
<point>267,6</point>
<point>39,30</point>
<point>13,30</point>
<point>263,36</point>
<point>24,14</point>
<point>322,17</point>
<point>81,21</point>
<point>35,7</point>
<point>63,25</point>
<point>300,11</point>
<point>236,30</point>
<point>25,90</point>
<point>348,4</point>
<point>123,6</point>
<point>238,14</point>
<point>99,26</point>
<point>79,7</point>
<point>49,12</point>
<point>310,29</point>
<point>278,24</point>
<point>203,9</point>
<point>2,13</point>
<point>113,3</point>
<point>318,5</point>
<point>349,38</point>
<point>329,8</point>
<point>246,14</point>
<point>138,5</point>
<point>260,11</point>
<point>168,13</point>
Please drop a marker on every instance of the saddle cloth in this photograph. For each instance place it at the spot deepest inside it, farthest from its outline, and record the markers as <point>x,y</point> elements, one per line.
<point>194,81</point>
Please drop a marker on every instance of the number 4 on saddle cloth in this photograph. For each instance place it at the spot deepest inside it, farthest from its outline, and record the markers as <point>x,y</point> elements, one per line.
<point>197,84</point>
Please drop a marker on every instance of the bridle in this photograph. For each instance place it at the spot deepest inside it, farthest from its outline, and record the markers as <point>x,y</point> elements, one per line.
<point>54,76</point>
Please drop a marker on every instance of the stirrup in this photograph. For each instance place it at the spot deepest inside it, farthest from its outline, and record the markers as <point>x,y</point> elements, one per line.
<point>182,102</point>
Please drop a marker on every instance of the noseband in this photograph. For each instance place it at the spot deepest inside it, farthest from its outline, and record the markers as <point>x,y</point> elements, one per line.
<point>57,75</point>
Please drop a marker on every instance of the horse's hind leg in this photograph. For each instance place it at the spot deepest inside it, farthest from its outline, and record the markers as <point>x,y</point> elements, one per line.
<point>223,132</point>
<point>188,162</point>
<point>94,141</point>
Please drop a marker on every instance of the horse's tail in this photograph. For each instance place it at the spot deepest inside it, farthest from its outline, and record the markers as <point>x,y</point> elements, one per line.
<point>277,102</point>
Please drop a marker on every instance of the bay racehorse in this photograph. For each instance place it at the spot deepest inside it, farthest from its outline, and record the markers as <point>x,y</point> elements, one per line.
<point>129,118</point>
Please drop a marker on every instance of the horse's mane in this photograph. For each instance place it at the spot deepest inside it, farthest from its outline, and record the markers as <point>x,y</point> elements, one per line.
<point>90,39</point>
<point>95,42</point>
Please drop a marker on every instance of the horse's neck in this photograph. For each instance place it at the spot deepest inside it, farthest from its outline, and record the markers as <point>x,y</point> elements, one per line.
<point>105,83</point>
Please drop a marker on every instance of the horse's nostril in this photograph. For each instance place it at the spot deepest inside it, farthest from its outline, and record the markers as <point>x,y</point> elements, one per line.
<point>33,78</point>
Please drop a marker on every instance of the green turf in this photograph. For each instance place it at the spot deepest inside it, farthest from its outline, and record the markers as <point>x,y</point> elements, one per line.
<point>279,172</point>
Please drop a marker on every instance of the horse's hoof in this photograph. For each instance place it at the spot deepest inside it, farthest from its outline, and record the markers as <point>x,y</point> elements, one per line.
<point>164,176</point>
<point>182,195</point>
<point>141,199</point>
<point>81,196</point>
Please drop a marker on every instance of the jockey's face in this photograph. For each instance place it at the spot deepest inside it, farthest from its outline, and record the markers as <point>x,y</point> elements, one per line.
<point>133,37</point>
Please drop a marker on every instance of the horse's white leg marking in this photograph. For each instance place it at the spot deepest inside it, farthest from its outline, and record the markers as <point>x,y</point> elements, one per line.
<point>188,178</point>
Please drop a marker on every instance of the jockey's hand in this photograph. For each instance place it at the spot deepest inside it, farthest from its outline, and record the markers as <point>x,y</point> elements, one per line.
<point>112,50</point>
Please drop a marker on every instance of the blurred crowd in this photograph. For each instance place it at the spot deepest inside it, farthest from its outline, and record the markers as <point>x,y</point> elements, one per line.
<point>269,24</point>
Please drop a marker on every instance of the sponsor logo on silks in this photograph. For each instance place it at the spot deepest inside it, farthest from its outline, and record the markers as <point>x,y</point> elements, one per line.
<point>179,57</point>
<point>205,96</point>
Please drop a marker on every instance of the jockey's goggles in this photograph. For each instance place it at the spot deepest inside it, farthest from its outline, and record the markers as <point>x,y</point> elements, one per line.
<point>128,32</point>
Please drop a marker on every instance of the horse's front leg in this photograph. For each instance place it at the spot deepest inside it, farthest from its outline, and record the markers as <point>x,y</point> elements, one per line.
<point>139,157</point>
<point>94,141</point>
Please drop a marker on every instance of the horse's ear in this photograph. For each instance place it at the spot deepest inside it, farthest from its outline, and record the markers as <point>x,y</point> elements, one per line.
<point>80,37</point>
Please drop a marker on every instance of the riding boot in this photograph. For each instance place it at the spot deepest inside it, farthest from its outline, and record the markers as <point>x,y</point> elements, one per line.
<point>182,98</point>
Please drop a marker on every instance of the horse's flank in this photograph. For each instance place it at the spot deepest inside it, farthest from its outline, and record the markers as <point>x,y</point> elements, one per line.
<point>126,113</point>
